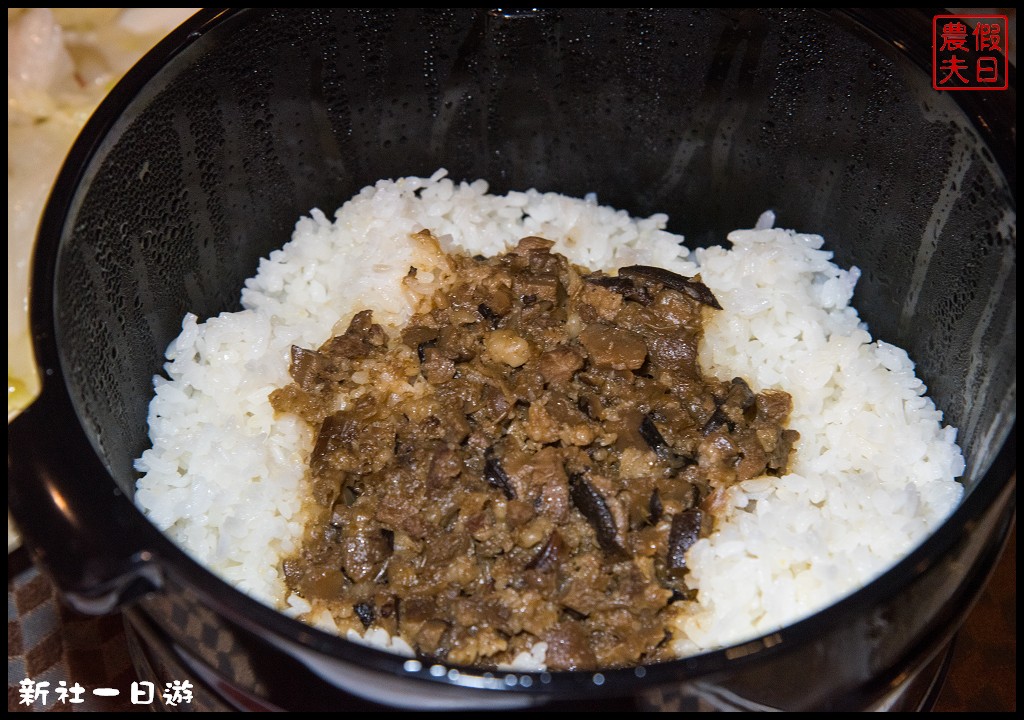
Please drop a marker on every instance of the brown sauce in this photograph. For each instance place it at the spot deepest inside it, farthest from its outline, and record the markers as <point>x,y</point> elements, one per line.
<point>526,461</point>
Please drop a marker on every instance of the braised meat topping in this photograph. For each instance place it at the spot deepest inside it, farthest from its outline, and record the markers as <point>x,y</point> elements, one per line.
<point>527,461</point>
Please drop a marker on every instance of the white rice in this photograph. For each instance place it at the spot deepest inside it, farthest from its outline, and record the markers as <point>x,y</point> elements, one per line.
<point>872,476</point>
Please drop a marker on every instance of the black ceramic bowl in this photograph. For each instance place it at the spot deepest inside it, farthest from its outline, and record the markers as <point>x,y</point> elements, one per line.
<point>204,156</point>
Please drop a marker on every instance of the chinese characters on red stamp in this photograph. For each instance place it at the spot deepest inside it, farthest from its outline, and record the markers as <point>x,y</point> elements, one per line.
<point>969,52</point>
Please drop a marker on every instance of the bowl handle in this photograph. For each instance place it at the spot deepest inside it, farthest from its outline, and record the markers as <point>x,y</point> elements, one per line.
<point>78,526</point>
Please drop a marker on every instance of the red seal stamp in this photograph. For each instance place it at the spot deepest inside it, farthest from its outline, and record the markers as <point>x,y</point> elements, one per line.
<point>969,52</point>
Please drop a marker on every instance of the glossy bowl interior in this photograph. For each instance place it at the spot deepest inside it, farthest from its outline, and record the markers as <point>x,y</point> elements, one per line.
<point>206,154</point>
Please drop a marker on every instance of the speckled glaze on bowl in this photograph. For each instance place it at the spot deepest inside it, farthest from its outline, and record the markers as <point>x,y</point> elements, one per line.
<point>204,156</point>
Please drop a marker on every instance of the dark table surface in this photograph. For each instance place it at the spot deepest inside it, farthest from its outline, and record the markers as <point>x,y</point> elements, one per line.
<point>983,675</point>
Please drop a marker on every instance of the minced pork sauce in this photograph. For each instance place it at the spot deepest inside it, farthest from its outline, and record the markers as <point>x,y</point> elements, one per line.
<point>561,452</point>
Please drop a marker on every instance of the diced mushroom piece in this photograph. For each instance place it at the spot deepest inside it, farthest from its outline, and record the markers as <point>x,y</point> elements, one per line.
<point>419,338</point>
<point>613,348</point>
<point>362,338</point>
<point>496,302</point>
<point>444,466</point>
<point>488,314</point>
<point>532,243</point>
<point>351,445</point>
<point>595,508</point>
<point>653,437</point>
<point>365,613</point>
<point>558,365</point>
<point>691,286</point>
<point>455,343</point>
<point>305,367</point>
<point>569,648</point>
<point>495,404</point>
<point>365,551</point>
<point>773,405</point>
<point>550,554</point>
<point>539,287</point>
<point>675,352</point>
<point>623,286</point>
<point>718,420</point>
<point>431,635</point>
<point>337,430</point>
<point>495,476</point>
<point>655,507</point>
<point>685,532</point>
<point>436,368</point>
<point>326,584</point>
<point>595,302</point>
<point>741,394</point>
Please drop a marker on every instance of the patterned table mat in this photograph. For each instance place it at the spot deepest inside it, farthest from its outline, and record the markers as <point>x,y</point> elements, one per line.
<point>48,642</point>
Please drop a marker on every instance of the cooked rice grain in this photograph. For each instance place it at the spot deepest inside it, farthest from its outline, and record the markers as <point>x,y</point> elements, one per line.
<point>872,476</point>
